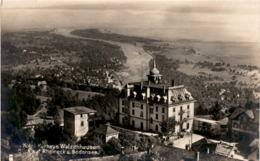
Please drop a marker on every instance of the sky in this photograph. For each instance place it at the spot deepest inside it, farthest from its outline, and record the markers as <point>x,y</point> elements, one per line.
<point>219,20</point>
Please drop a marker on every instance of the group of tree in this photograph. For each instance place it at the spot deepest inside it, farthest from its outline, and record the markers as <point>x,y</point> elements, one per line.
<point>21,102</point>
<point>49,133</point>
<point>60,99</point>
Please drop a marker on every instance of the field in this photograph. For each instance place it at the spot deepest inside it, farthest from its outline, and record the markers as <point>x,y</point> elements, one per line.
<point>218,61</point>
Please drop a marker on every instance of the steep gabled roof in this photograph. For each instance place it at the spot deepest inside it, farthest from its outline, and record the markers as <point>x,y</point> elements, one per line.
<point>106,130</point>
<point>236,113</point>
<point>254,143</point>
<point>250,114</point>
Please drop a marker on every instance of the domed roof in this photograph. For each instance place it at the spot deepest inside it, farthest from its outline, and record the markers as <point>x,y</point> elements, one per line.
<point>155,71</point>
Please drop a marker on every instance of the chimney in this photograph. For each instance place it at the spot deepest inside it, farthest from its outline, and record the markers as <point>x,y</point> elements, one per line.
<point>128,90</point>
<point>173,83</point>
<point>198,156</point>
<point>148,92</point>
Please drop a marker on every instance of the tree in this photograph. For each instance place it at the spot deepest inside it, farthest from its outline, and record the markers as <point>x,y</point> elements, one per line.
<point>216,111</point>
<point>112,147</point>
<point>201,111</point>
<point>21,101</point>
<point>168,126</point>
<point>49,132</point>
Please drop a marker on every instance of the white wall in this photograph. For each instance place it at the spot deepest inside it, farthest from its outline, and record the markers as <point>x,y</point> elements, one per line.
<point>111,136</point>
<point>137,109</point>
<point>159,113</point>
<point>187,111</point>
<point>168,112</point>
<point>138,123</point>
<point>81,130</point>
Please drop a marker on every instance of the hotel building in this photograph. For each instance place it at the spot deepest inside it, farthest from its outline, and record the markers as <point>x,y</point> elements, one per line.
<point>145,105</point>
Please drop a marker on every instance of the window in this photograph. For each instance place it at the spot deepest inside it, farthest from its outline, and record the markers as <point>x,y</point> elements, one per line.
<point>123,109</point>
<point>188,125</point>
<point>181,108</point>
<point>142,126</point>
<point>156,128</point>
<point>156,109</point>
<point>81,115</point>
<point>151,120</point>
<point>156,116</point>
<point>82,123</point>
<point>173,110</point>
<point>91,123</point>
<point>163,110</point>
<point>163,117</point>
<point>133,104</point>
<point>142,106</point>
<point>133,123</point>
<point>151,110</point>
<point>188,107</point>
<point>141,114</point>
<point>133,112</point>
<point>123,102</point>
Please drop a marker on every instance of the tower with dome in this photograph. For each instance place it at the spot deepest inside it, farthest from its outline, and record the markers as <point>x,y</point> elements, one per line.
<point>145,105</point>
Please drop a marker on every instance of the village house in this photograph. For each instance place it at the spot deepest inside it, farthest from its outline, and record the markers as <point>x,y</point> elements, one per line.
<point>210,127</point>
<point>78,120</point>
<point>145,105</point>
<point>244,124</point>
<point>104,133</point>
<point>222,148</point>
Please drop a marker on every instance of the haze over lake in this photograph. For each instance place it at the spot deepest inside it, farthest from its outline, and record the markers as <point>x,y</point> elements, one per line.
<point>225,21</point>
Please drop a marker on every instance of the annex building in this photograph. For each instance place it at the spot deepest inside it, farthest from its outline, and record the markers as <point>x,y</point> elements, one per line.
<point>145,105</point>
<point>78,120</point>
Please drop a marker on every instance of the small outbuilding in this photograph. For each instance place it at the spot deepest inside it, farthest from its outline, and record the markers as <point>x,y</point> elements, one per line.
<point>104,133</point>
<point>78,120</point>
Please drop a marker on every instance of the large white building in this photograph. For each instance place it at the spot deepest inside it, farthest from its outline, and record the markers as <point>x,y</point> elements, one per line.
<point>145,105</point>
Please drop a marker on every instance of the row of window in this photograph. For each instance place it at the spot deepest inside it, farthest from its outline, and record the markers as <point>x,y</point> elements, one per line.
<point>157,109</point>
<point>163,109</point>
<point>142,115</point>
<point>181,109</point>
<point>133,105</point>
<point>142,125</point>
<point>156,126</point>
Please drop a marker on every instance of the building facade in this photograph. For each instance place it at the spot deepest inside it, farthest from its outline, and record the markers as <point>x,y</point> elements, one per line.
<point>105,133</point>
<point>244,125</point>
<point>210,127</point>
<point>145,105</point>
<point>78,120</point>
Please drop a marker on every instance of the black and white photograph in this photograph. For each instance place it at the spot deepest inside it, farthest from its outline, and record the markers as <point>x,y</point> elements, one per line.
<point>130,80</point>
